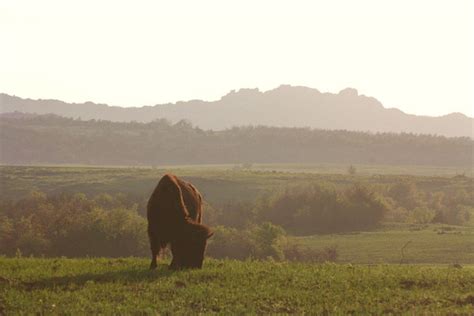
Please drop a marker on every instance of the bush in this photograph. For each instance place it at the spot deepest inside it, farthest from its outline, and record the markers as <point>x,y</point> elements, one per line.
<point>236,214</point>
<point>230,243</point>
<point>422,215</point>
<point>258,242</point>
<point>316,208</point>
<point>351,170</point>
<point>297,252</point>
<point>264,241</point>
<point>268,239</point>
<point>454,215</point>
<point>73,225</point>
<point>406,194</point>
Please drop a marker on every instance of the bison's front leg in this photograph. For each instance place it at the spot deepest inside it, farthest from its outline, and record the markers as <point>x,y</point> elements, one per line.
<point>177,261</point>
<point>155,249</point>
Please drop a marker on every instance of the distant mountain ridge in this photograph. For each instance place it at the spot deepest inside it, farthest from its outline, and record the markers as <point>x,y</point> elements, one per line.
<point>285,106</point>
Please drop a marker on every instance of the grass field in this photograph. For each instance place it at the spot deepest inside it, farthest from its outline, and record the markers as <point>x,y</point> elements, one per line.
<point>218,183</point>
<point>398,268</point>
<point>421,245</point>
<point>111,286</point>
<point>317,168</point>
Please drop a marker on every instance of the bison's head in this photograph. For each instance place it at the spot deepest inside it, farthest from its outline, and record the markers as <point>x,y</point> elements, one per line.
<point>190,249</point>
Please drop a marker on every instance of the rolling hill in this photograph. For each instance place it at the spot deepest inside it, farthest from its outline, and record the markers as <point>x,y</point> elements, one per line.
<point>285,106</point>
<point>51,139</point>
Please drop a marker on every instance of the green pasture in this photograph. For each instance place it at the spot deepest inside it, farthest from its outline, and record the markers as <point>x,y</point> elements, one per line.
<point>126,286</point>
<point>440,244</point>
<point>218,183</point>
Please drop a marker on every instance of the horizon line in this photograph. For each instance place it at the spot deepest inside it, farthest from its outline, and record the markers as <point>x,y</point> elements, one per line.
<point>237,91</point>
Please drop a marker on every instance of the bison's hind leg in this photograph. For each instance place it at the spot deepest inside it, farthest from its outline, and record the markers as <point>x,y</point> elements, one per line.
<point>153,263</point>
<point>155,250</point>
<point>154,254</point>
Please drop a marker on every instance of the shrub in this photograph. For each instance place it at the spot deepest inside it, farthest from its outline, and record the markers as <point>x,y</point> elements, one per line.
<point>316,208</point>
<point>236,214</point>
<point>406,194</point>
<point>259,242</point>
<point>297,252</point>
<point>453,215</point>
<point>351,170</point>
<point>422,215</point>
<point>73,225</point>
<point>230,243</point>
<point>268,239</point>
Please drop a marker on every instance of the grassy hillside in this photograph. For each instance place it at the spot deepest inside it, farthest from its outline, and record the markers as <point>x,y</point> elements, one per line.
<point>84,286</point>
<point>218,183</point>
<point>428,244</point>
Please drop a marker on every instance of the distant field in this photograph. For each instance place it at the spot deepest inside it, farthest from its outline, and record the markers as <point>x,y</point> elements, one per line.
<point>333,168</point>
<point>115,286</point>
<point>219,183</point>
<point>323,168</point>
<point>431,244</point>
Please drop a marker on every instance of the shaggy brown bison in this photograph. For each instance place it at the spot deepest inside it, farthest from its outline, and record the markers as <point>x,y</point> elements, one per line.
<point>174,215</point>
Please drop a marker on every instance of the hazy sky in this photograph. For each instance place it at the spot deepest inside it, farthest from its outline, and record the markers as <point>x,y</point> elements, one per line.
<point>414,55</point>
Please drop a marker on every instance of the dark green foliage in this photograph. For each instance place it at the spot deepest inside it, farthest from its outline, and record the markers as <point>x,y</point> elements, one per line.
<point>236,214</point>
<point>258,241</point>
<point>71,225</point>
<point>231,243</point>
<point>405,193</point>
<point>28,140</point>
<point>313,208</point>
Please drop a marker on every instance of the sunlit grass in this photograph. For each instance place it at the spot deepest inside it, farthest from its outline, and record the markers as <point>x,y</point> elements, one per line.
<point>110,286</point>
<point>425,244</point>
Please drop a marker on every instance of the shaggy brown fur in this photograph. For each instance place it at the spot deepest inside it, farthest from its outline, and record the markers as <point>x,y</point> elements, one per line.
<point>192,200</point>
<point>174,217</point>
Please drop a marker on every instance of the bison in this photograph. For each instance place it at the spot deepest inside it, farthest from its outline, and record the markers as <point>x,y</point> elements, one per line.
<point>174,215</point>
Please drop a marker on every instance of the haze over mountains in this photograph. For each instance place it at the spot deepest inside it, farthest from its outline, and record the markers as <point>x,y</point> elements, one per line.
<point>285,106</point>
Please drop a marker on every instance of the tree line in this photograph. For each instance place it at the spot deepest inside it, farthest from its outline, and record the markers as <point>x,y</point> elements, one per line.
<point>113,225</point>
<point>50,139</point>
